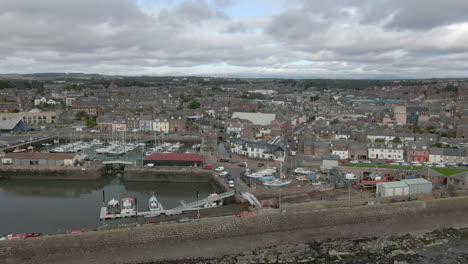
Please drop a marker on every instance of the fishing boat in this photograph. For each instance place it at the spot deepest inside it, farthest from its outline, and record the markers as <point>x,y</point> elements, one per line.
<point>277,183</point>
<point>153,204</point>
<point>18,150</point>
<point>113,207</point>
<point>128,206</point>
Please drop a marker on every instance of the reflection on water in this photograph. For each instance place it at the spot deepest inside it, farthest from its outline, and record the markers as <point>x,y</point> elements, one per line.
<point>51,206</point>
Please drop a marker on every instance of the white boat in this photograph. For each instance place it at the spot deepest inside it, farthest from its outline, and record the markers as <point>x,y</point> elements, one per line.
<point>128,206</point>
<point>113,207</point>
<point>214,200</point>
<point>153,204</point>
<point>277,183</point>
<point>58,150</point>
<point>302,171</point>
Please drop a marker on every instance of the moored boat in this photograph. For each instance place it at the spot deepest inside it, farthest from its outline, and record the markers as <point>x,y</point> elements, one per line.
<point>128,206</point>
<point>18,150</point>
<point>277,183</point>
<point>113,207</point>
<point>153,204</point>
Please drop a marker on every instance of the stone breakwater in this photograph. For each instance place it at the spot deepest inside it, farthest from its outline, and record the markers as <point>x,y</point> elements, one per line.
<point>52,172</point>
<point>440,246</point>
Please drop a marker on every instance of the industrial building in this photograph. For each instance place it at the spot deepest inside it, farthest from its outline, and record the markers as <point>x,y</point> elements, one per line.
<point>37,158</point>
<point>13,124</point>
<point>404,187</point>
<point>174,159</point>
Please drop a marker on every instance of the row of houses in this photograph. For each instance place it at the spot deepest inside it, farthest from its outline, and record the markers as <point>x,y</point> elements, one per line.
<point>164,124</point>
<point>274,149</point>
<point>417,151</point>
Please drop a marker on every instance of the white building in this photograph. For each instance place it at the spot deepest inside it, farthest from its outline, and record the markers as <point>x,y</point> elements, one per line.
<point>394,151</point>
<point>263,119</point>
<point>161,125</point>
<point>259,150</point>
<point>264,92</point>
<point>39,101</point>
<point>343,154</point>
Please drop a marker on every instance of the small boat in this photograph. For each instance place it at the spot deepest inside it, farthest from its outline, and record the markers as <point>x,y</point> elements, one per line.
<point>214,200</point>
<point>57,150</point>
<point>33,235</point>
<point>153,204</point>
<point>19,150</point>
<point>113,207</point>
<point>277,183</point>
<point>128,206</point>
<point>30,148</point>
<point>14,237</point>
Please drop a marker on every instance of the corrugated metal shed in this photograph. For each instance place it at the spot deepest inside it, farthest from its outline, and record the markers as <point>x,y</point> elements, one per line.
<point>388,189</point>
<point>418,186</point>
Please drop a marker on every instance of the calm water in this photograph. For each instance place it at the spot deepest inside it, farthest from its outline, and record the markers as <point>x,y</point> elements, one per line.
<point>51,206</point>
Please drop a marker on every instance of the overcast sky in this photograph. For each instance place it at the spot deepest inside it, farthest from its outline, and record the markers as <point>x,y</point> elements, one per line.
<point>246,38</point>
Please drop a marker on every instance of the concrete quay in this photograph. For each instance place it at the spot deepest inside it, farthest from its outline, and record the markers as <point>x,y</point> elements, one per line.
<point>231,235</point>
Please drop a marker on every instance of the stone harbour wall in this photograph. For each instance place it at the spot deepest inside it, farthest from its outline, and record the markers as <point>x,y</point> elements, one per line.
<point>52,172</point>
<point>204,229</point>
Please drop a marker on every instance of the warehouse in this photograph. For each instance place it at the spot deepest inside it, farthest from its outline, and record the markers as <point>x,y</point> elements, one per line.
<point>45,159</point>
<point>404,187</point>
<point>419,186</point>
<point>388,189</point>
<point>174,159</point>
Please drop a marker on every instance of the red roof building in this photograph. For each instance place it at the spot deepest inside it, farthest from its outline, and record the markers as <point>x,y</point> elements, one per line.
<point>174,159</point>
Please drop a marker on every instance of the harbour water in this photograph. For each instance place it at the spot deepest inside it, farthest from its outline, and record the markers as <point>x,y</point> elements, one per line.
<point>55,206</point>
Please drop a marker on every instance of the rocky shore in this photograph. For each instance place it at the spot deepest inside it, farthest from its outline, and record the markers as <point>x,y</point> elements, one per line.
<point>440,246</point>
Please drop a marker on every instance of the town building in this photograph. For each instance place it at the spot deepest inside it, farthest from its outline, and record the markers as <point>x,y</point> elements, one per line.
<point>33,117</point>
<point>40,158</point>
<point>260,150</point>
<point>174,159</point>
<point>386,151</point>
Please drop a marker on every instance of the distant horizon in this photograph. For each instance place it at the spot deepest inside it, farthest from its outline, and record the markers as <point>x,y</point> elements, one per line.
<point>236,77</point>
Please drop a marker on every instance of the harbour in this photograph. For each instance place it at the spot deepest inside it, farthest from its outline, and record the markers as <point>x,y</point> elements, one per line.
<point>60,206</point>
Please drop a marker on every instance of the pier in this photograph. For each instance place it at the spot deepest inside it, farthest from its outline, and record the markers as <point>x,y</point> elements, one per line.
<point>196,205</point>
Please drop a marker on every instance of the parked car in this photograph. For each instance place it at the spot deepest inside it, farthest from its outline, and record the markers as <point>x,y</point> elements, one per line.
<point>184,220</point>
<point>366,162</point>
<point>243,164</point>
<point>260,164</point>
<point>220,168</point>
<point>223,160</point>
<point>223,173</point>
<point>228,177</point>
<point>354,161</point>
<point>232,161</point>
<point>149,165</point>
<point>207,167</point>
<point>231,183</point>
<point>371,203</point>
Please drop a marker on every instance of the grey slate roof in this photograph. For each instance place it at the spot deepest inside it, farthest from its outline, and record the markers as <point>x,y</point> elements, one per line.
<point>9,124</point>
<point>463,177</point>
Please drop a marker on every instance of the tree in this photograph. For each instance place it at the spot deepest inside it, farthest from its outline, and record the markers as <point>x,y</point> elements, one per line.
<point>194,104</point>
<point>380,140</point>
<point>91,121</point>
<point>14,110</point>
<point>396,140</point>
<point>81,115</point>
